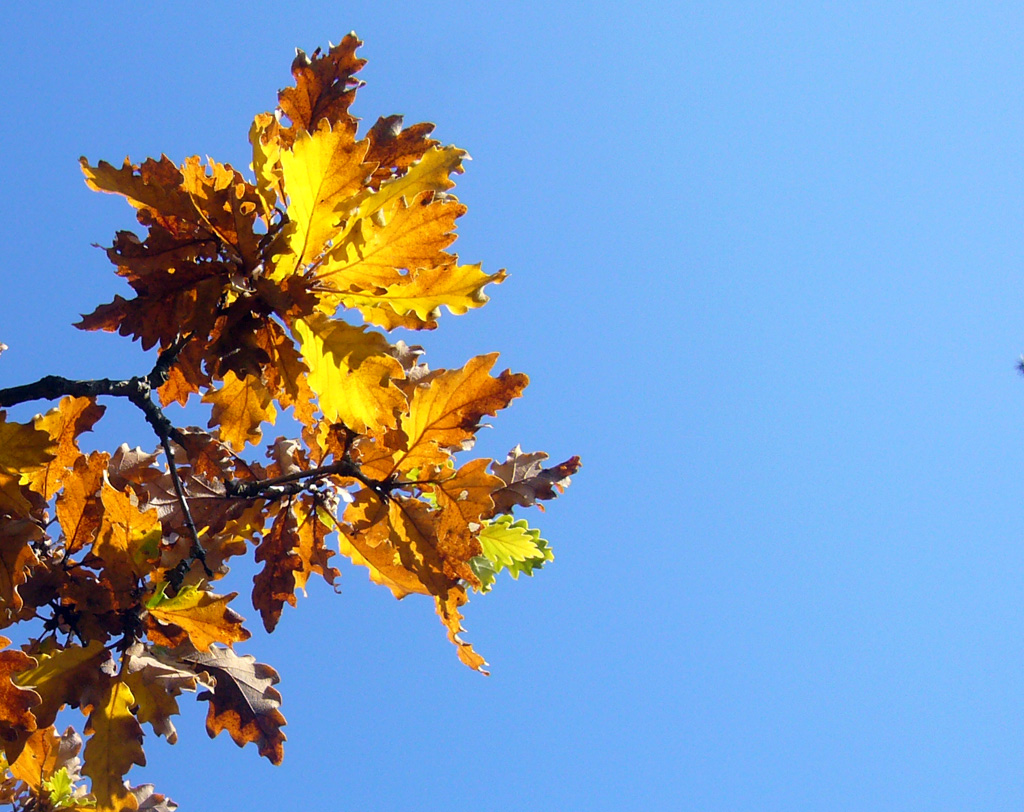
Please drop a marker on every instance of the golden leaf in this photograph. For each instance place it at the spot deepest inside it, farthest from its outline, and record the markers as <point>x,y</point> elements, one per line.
<point>225,204</point>
<point>443,414</point>
<point>115,744</point>
<point>351,373</point>
<point>322,172</point>
<point>420,295</point>
<point>72,417</point>
<point>240,407</point>
<point>128,539</point>
<point>204,617</point>
<point>60,677</point>
<point>413,236</point>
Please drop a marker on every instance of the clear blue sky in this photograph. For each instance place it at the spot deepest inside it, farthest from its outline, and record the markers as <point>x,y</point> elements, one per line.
<point>766,276</point>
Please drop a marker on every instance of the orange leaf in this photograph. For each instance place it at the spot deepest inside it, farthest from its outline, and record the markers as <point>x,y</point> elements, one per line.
<point>79,509</point>
<point>240,407</point>
<point>72,417</point>
<point>128,538</point>
<point>16,717</point>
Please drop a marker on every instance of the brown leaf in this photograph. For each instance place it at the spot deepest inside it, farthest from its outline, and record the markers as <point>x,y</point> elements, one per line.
<point>227,204</point>
<point>324,89</point>
<point>132,465</point>
<point>16,561</point>
<point>243,700</point>
<point>527,481</point>
<point>394,149</point>
<point>17,719</point>
<point>274,585</point>
<point>156,679</point>
<point>147,798</point>
<point>293,550</point>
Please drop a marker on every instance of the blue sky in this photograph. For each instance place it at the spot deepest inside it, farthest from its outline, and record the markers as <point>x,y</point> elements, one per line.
<point>765,275</point>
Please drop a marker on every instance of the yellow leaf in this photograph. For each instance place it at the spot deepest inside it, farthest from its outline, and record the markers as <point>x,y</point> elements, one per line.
<point>203,616</point>
<point>60,677</point>
<point>351,373</point>
<point>322,172</point>
<point>457,287</point>
<point>115,744</point>
<point>240,407</point>
<point>266,156</point>
<point>430,173</point>
<point>411,237</point>
<point>23,449</point>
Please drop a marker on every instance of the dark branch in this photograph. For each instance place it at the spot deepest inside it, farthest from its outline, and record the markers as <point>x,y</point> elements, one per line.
<point>139,392</point>
<point>294,483</point>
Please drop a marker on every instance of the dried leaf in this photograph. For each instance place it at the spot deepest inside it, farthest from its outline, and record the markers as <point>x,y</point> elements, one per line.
<point>527,481</point>
<point>243,700</point>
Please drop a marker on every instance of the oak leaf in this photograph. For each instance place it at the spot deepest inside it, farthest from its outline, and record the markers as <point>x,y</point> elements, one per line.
<point>240,407</point>
<point>394,147</point>
<point>527,481</point>
<point>413,236</point>
<point>17,558</point>
<point>24,450</point>
<point>17,719</point>
<point>60,677</point>
<point>200,616</point>
<point>46,753</point>
<point>79,509</point>
<point>72,417</point>
<point>156,679</point>
<point>444,414</point>
<point>509,545</point>
<point>352,373</point>
<point>243,700</point>
<point>293,550</point>
<point>324,89</point>
<point>114,743</point>
<point>128,539</point>
<point>322,172</point>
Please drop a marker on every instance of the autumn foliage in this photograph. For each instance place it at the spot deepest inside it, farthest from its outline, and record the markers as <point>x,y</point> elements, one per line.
<point>262,296</point>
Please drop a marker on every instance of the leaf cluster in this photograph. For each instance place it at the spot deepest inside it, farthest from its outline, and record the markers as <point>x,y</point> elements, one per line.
<point>262,296</point>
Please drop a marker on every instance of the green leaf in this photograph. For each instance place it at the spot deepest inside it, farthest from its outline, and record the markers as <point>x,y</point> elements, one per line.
<point>59,785</point>
<point>509,545</point>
